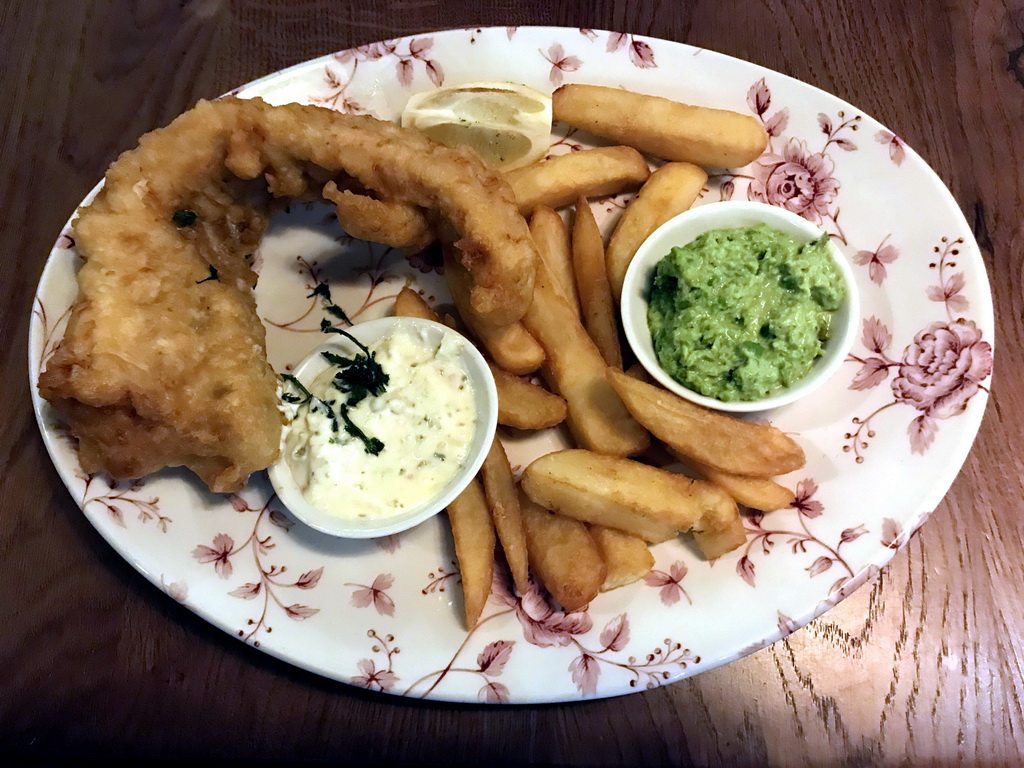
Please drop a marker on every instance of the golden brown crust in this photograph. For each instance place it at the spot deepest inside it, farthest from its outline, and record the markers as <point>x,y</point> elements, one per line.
<point>380,221</point>
<point>161,366</point>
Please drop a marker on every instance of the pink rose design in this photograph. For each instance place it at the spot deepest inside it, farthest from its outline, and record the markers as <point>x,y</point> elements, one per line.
<point>943,368</point>
<point>798,180</point>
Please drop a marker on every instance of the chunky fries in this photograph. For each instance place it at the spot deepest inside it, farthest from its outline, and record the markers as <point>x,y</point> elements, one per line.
<point>588,263</point>
<point>552,242</point>
<point>524,405</point>
<point>661,127</point>
<point>500,489</point>
<point>581,519</point>
<point>624,494</point>
<point>589,172</point>
<point>669,191</point>
<point>626,556</point>
<point>563,556</point>
<point>575,369</point>
<point>715,439</point>
<point>474,548</point>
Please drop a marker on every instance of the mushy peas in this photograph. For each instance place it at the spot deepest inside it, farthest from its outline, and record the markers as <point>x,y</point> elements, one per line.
<point>739,314</point>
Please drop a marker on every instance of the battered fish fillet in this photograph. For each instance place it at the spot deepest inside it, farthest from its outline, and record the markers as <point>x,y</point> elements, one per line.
<point>380,221</point>
<point>163,362</point>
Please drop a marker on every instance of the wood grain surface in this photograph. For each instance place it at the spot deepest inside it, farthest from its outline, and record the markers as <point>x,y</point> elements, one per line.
<point>924,666</point>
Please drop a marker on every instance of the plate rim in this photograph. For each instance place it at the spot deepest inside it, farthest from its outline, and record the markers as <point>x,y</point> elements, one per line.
<point>952,464</point>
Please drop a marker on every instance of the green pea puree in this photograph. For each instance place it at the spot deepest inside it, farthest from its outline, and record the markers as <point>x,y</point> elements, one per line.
<point>740,314</point>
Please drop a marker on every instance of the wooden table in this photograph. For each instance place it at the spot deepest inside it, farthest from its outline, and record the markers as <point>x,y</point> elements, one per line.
<point>922,666</point>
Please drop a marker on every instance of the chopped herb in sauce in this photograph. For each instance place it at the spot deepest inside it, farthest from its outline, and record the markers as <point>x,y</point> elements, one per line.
<point>359,377</point>
<point>307,398</point>
<point>292,398</point>
<point>371,445</point>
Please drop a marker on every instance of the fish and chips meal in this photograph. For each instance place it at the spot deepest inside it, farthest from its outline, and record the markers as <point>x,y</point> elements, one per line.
<point>163,362</point>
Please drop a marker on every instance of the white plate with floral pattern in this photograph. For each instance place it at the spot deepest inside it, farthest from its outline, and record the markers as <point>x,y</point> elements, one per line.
<point>884,439</point>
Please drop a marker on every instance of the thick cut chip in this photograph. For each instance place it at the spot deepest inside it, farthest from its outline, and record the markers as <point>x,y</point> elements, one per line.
<point>719,441</point>
<point>563,556</point>
<point>715,542</point>
<point>710,137</point>
<point>624,494</point>
<point>670,191</point>
<point>574,369</point>
<point>473,532</point>
<point>525,405</point>
<point>589,172</point>
<point>552,242</point>
<point>759,493</point>
<point>408,303</point>
<point>503,500</point>
<point>626,556</point>
<point>588,263</point>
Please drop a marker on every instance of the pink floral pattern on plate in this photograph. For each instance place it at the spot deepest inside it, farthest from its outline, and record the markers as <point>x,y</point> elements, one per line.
<point>877,259</point>
<point>640,52</point>
<point>668,583</point>
<point>544,626</point>
<point>795,177</point>
<point>271,578</point>
<point>560,63</point>
<point>376,594</point>
<point>939,372</point>
<point>798,540</point>
<point>897,150</point>
<point>417,51</point>
<point>117,498</point>
<point>387,615</point>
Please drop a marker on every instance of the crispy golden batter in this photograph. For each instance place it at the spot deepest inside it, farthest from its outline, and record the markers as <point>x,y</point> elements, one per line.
<point>380,221</point>
<point>163,364</point>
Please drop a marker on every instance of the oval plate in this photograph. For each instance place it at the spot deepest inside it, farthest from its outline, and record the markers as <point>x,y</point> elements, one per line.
<point>884,439</point>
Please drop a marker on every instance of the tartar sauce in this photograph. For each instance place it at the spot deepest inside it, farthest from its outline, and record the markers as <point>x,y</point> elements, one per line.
<point>425,418</point>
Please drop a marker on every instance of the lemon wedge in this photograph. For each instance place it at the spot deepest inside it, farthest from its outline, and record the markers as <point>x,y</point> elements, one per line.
<point>508,124</point>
